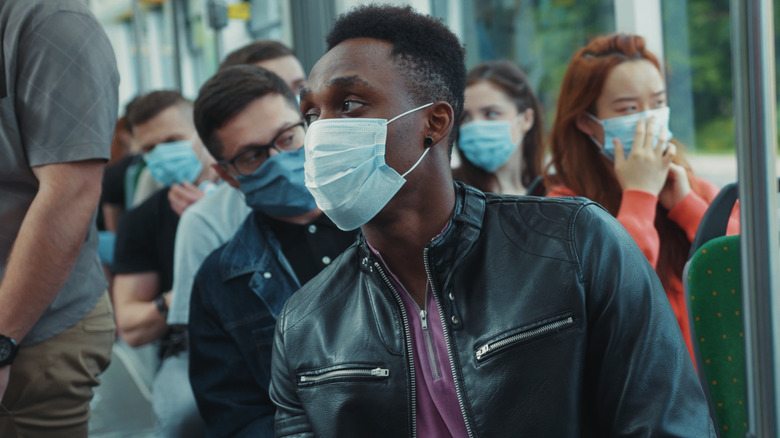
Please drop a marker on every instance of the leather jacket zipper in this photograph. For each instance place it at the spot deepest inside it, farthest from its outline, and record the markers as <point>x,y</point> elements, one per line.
<point>409,352</point>
<point>432,362</point>
<point>458,390</point>
<point>345,372</point>
<point>490,348</point>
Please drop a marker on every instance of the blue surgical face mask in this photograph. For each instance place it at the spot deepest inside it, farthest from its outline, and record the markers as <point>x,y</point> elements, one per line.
<point>624,127</point>
<point>173,162</point>
<point>487,144</point>
<point>346,170</point>
<point>277,187</point>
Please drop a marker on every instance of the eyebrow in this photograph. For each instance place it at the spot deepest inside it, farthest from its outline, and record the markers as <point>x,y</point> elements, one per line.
<point>632,98</point>
<point>305,92</point>
<point>349,81</point>
<point>342,82</point>
<point>169,139</point>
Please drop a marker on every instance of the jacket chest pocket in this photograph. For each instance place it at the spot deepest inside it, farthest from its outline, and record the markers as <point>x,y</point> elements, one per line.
<point>523,335</point>
<point>343,373</point>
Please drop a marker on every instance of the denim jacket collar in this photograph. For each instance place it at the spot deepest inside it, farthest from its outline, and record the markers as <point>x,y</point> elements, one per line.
<point>253,248</point>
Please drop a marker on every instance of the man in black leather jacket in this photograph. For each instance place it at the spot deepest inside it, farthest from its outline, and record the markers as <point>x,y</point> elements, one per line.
<point>460,313</point>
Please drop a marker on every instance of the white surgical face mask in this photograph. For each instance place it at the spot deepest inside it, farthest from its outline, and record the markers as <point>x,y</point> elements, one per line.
<point>345,168</point>
<point>624,127</point>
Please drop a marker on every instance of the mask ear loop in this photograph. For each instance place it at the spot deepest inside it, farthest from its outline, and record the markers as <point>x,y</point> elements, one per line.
<point>426,149</point>
<point>408,112</point>
<point>416,164</point>
<point>596,142</point>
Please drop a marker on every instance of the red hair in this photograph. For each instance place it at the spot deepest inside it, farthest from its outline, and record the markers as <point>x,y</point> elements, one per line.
<point>578,164</point>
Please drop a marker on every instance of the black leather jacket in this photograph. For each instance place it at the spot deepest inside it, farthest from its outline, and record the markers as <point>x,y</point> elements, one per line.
<point>556,326</point>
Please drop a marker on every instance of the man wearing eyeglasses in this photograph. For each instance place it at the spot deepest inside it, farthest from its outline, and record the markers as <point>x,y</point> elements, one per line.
<point>249,120</point>
<point>204,227</point>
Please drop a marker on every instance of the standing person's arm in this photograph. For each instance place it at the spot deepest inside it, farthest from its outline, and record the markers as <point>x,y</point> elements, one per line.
<point>48,245</point>
<point>65,99</point>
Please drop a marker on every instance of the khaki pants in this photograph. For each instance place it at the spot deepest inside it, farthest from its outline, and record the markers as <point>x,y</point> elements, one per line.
<point>51,382</point>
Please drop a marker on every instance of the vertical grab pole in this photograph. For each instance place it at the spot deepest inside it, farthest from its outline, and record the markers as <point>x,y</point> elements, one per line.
<point>752,38</point>
<point>141,66</point>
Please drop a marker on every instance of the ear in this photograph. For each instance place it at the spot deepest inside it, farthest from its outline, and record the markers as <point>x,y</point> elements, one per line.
<point>586,124</point>
<point>527,118</point>
<point>225,175</point>
<point>440,122</point>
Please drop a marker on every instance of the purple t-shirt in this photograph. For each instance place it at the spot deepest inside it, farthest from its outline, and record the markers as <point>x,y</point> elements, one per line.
<point>438,411</point>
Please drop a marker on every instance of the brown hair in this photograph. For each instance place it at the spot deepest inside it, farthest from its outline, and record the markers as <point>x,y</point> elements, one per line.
<point>578,164</point>
<point>508,78</point>
<point>254,52</point>
<point>146,107</point>
<point>121,141</point>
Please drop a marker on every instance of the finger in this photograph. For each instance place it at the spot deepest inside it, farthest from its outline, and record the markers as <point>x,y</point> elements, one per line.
<point>663,140</point>
<point>649,133</point>
<point>620,155</point>
<point>670,153</point>
<point>677,170</point>
<point>640,134</point>
<point>188,185</point>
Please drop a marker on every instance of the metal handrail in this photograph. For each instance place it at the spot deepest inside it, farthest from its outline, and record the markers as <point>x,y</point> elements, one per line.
<point>752,39</point>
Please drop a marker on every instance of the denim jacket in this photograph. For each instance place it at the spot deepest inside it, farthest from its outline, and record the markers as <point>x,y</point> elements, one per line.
<point>237,296</point>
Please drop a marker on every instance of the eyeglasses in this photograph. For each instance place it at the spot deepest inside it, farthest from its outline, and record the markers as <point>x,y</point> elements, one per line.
<point>252,157</point>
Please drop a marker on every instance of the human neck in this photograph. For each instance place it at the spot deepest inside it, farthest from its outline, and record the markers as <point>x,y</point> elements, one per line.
<point>508,178</point>
<point>401,235</point>
<point>508,181</point>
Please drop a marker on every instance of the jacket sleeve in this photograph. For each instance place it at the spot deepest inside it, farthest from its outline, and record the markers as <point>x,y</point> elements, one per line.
<point>689,212</point>
<point>640,375</point>
<point>291,420</point>
<point>637,215</point>
<point>230,400</point>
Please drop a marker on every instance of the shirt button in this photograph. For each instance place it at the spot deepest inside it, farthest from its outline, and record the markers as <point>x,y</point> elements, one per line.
<point>326,260</point>
<point>267,275</point>
<point>312,229</point>
<point>455,319</point>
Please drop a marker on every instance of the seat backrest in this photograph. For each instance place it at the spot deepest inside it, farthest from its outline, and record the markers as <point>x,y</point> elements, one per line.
<point>716,219</point>
<point>536,188</point>
<point>715,307</point>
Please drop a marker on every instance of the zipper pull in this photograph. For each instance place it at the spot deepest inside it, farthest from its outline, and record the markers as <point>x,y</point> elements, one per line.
<point>381,372</point>
<point>424,318</point>
<point>482,351</point>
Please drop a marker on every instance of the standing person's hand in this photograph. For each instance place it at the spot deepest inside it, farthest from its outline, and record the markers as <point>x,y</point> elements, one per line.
<point>184,195</point>
<point>5,374</point>
<point>647,165</point>
<point>676,188</point>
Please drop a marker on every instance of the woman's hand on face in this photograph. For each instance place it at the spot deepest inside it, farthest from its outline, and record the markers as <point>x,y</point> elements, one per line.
<point>646,167</point>
<point>676,188</point>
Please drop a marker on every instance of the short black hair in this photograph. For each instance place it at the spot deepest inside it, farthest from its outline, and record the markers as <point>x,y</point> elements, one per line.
<point>227,93</point>
<point>254,52</point>
<point>146,107</point>
<point>428,54</point>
